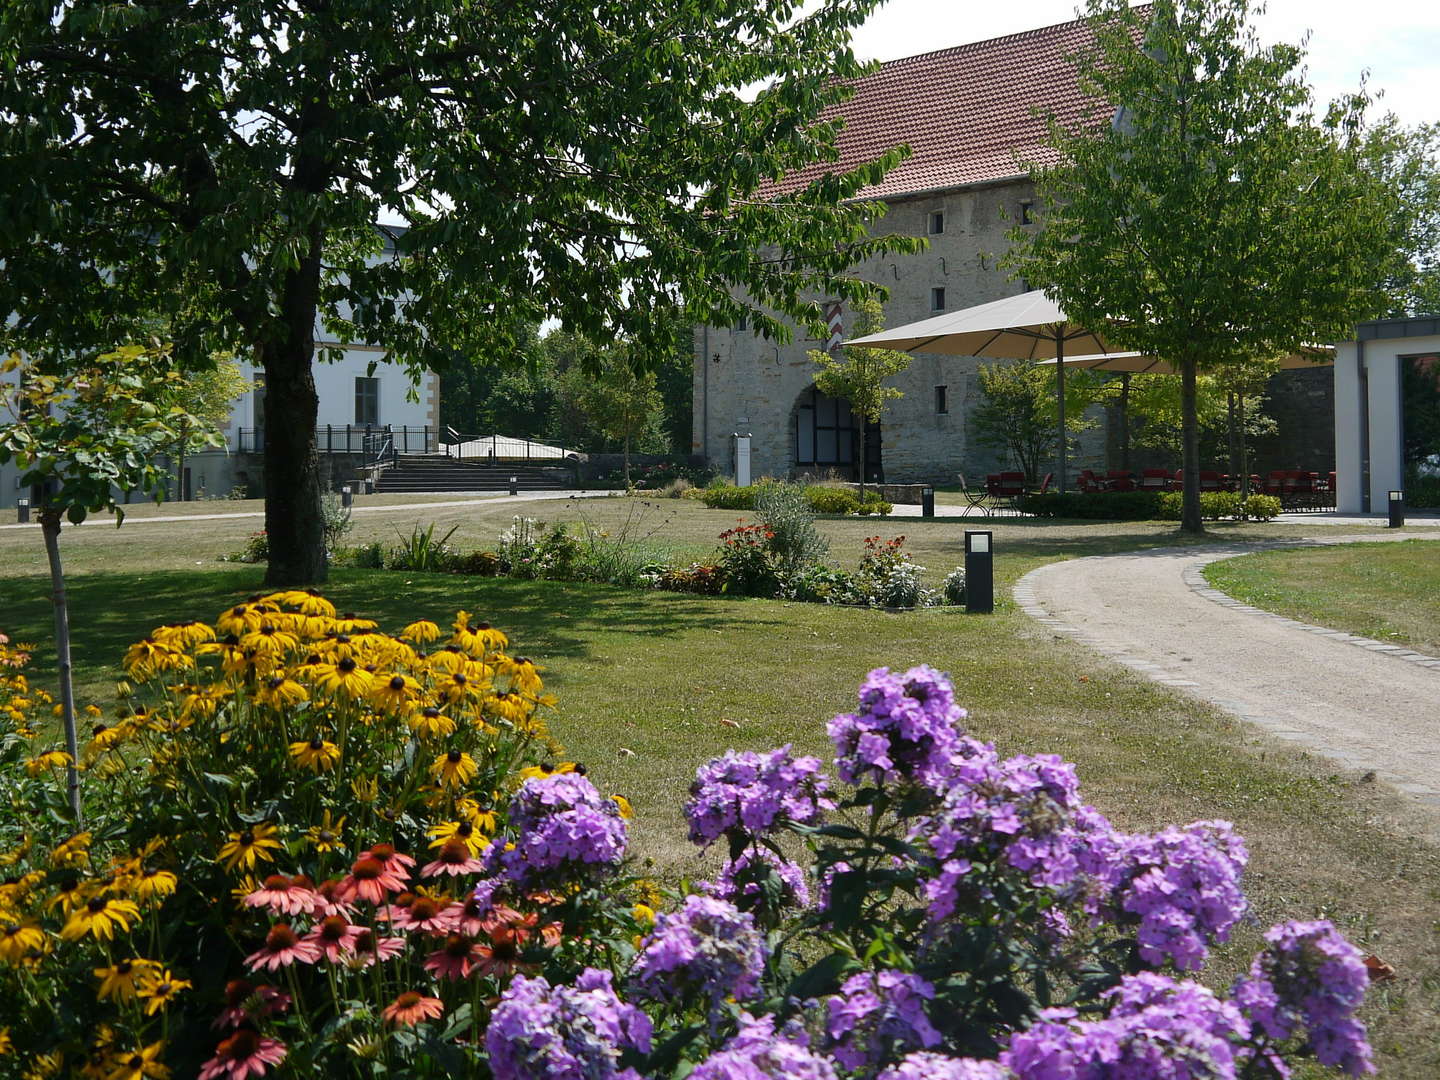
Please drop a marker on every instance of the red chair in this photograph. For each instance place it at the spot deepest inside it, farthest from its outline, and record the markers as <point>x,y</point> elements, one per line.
<point>1155,480</point>
<point>1119,480</point>
<point>1004,488</point>
<point>1210,480</point>
<point>1045,484</point>
<point>1088,482</point>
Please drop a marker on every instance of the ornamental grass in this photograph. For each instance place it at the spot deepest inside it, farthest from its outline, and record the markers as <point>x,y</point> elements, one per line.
<point>318,849</point>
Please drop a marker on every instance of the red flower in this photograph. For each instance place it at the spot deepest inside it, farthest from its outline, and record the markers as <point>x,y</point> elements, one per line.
<point>245,1053</point>
<point>334,936</point>
<point>369,948</point>
<point>281,949</point>
<point>454,959</point>
<point>455,859</point>
<point>411,1007</point>
<point>425,913</point>
<point>244,1001</point>
<point>285,895</point>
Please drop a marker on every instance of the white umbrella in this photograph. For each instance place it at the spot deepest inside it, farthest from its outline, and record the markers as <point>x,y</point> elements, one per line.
<point>1030,326</point>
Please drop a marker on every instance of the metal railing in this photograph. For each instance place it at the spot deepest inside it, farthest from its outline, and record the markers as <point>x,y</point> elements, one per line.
<point>364,439</point>
<point>502,448</point>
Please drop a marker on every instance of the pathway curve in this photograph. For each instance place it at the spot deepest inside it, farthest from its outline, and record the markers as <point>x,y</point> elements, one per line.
<point>1367,705</point>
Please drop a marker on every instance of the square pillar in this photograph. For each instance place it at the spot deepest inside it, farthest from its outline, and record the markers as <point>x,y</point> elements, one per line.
<point>1387,451</point>
<point>1349,429</point>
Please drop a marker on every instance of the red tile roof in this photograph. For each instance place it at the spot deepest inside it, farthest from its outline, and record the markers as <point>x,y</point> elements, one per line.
<point>965,112</point>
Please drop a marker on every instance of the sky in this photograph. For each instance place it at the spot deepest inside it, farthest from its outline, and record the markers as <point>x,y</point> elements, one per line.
<point>1396,41</point>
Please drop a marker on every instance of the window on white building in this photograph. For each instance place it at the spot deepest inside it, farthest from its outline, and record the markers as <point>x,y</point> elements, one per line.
<point>937,222</point>
<point>367,401</point>
<point>937,299</point>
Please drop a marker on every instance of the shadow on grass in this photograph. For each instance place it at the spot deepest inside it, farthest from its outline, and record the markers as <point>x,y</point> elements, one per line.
<point>108,612</point>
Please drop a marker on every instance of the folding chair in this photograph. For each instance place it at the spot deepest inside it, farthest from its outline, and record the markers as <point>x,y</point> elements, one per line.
<point>974,497</point>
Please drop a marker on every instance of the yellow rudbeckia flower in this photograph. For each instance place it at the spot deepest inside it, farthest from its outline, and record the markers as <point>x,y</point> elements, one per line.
<point>248,845</point>
<point>98,917</point>
<point>454,769</point>
<point>317,755</point>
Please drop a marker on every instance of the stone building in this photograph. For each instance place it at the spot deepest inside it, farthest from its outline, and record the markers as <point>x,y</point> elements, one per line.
<point>971,115</point>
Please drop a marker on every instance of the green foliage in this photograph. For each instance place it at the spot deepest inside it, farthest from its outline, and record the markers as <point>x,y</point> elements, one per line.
<point>746,562</point>
<point>830,500</point>
<point>824,585</point>
<point>858,374</point>
<point>95,431</point>
<point>795,543</point>
<point>620,165</point>
<point>617,397</point>
<point>421,551</point>
<point>1219,219</point>
<point>730,497</point>
<point>1409,161</point>
<point>1018,414</point>
<point>875,505</point>
<point>1101,506</point>
<point>336,518</point>
<point>954,587</point>
<point>1262,507</point>
<point>1422,491</point>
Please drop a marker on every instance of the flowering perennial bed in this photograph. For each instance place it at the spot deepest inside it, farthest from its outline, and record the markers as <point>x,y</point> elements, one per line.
<point>316,849</point>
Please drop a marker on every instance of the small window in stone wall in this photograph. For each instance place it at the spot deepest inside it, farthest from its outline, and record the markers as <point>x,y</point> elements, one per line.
<point>742,323</point>
<point>1027,212</point>
<point>937,222</point>
<point>937,299</point>
<point>942,399</point>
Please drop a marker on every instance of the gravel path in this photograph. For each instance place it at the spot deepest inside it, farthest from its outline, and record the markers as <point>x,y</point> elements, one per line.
<point>1369,706</point>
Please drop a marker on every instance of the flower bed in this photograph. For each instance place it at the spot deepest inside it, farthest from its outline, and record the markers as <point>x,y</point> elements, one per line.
<point>318,849</point>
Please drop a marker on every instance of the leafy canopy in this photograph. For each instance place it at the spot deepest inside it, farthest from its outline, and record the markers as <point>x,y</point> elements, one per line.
<point>858,373</point>
<point>95,430</point>
<point>1219,218</point>
<point>591,163</point>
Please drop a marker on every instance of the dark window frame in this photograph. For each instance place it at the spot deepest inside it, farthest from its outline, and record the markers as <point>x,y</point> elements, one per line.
<point>937,298</point>
<point>942,400</point>
<point>845,429</point>
<point>367,401</point>
<point>936,218</point>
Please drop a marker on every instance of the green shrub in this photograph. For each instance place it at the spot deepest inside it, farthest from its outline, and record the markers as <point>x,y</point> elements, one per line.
<point>824,585</point>
<point>730,497</point>
<point>256,550</point>
<point>954,587</point>
<point>707,579</point>
<point>746,563</point>
<point>831,500</point>
<point>1262,507</point>
<point>1422,491</point>
<point>874,504</point>
<point>479,563</point>
<point>1103,506</point>
<point>794,542</point>
<point>420,551</point>
<point>1214,505</point>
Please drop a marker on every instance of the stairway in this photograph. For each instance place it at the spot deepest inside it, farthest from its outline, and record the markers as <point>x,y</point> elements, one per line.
<point>436,472</point>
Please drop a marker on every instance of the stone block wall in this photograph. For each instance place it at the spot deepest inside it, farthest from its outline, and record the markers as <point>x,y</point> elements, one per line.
<point>747,385</point>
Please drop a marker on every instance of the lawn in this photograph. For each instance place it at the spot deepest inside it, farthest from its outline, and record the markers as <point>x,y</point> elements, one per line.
<point>1383,591</point>
<point>652,684</point>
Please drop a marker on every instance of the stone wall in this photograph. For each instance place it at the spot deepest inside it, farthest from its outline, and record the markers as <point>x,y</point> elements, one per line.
<point>747,385</point>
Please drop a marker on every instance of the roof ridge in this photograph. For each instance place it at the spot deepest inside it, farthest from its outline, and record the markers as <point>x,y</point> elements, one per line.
<point>1002,38</point>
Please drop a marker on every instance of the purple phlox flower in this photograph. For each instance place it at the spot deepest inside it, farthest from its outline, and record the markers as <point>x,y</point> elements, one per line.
<point>923,1065</point>
<point>736,881</point>
<point>907,729</point>
<point>759,1052</point>
<point>745,790</point>
<point>1309,977</point>
<point>874,1010</point>
<point>540,1032</point>
<point>564,830</point>
<point>1022,814</point>
<point>1180,886</point>
<point>1158,1029</point>
<point>709,948</point>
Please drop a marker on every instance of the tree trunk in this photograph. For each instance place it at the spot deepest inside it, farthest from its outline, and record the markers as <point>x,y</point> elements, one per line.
<point>627,461</point>
<point>293,522</point>
<point>50,528</point>
<point>1190,433</point>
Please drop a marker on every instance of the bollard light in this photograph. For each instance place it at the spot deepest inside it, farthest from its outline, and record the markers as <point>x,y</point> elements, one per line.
<point>979,573</point>
<point>22,510</point>
<point>346,497</point>
<point>1397,509</point>
<point>514,485</point>
<point>927,502</point>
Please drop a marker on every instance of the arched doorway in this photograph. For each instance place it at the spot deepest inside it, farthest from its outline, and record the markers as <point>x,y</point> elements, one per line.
<point>827,435</point>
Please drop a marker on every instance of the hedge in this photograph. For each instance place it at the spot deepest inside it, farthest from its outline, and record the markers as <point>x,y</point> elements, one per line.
<point>1146,505</point>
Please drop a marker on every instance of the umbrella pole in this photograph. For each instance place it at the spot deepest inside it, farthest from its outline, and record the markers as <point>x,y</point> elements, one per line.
<point>1060,397</point>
